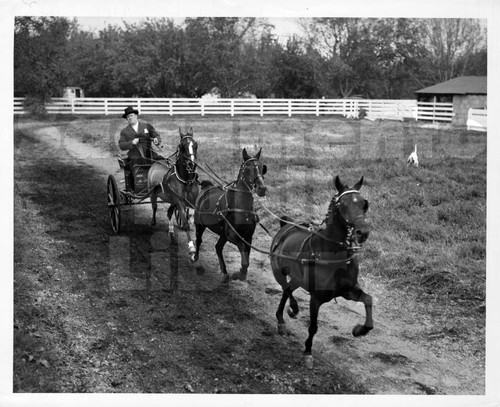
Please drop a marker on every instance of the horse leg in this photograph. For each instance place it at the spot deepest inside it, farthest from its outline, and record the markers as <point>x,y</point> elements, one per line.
<point>279,313</point>
<point>313,328</point>
<point>218,249</point>
<point>154,205</point>
<point>170,211</point>
<point>357,294</point>
<point>292,311</point>
<point>182,213</point>
<point>199,233</point>
<point>245,261</point>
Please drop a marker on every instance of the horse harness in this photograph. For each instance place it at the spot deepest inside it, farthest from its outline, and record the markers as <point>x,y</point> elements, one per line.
<point>307,254</point>
<point>169,174</point>
<point>250,215</point>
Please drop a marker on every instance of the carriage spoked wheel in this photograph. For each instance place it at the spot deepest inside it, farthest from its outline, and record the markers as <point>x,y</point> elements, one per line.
<point>114,204</point>
<point>178,218</point>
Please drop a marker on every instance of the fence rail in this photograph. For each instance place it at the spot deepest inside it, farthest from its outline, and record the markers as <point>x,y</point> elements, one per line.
<point>435,111</point>
<point>351,108</point>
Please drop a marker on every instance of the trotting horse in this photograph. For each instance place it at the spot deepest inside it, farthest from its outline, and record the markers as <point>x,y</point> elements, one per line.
<point>177,184</point>
<point>229,212</point>
<point>323,261</point>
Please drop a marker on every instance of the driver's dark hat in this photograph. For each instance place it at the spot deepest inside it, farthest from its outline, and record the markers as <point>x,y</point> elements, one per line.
<point>129,110</point>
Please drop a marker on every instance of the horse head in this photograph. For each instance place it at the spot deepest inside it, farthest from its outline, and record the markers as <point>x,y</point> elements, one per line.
<point>350,208</point>
<point>252,173</point>
<point>188,149</point>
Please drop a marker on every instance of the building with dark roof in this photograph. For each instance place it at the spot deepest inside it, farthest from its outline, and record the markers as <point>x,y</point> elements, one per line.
<point>464,92</point>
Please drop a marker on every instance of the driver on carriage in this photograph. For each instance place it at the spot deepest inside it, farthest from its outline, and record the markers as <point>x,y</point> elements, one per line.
<point>137,138</point>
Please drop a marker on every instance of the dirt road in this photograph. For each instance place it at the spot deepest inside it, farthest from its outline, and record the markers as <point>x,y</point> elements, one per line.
<point>129,313</point>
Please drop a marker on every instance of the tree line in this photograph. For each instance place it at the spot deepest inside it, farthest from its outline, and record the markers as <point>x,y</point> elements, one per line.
<point>331,57</point>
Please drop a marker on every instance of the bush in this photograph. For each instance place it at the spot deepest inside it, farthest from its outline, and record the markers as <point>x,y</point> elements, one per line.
<point>35,106</point>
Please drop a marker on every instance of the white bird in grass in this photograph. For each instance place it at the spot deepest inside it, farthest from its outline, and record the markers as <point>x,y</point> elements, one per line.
<point>413,158</point>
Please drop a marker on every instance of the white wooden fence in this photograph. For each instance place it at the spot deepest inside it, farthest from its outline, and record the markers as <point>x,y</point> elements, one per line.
<point>477,119</point>
<point>436,112</point>
<point>374,109</point>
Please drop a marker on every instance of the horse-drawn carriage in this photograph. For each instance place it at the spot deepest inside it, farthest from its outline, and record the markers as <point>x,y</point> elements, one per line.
<point>142,184</point>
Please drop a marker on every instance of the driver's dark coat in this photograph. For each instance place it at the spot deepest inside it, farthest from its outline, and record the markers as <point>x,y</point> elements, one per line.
<point>145,132</point>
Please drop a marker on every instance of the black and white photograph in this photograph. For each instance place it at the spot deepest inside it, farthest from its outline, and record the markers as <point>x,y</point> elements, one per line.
<point>235,204</point>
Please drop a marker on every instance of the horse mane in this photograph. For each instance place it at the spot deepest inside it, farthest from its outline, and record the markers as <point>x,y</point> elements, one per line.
<point>331,207</point>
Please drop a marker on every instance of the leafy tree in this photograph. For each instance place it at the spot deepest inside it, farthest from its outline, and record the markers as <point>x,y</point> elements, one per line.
<point>452,44</point>
<point>40,52</point>
<point>335,57</point>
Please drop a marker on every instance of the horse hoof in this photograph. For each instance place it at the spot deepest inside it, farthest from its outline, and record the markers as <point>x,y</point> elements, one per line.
<point>236,276</point>
<point>191,248</point>
<point>308,361</point>
<point>225,279</point>
<point>360,330</point>
<point>239,276</point>
<point>282,329</point>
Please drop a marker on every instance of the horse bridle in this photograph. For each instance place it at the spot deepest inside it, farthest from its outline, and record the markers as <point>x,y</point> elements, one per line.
<point>259,176</point>
<point>350,224</point>
<point>189,163</point>
<point>232,187</point>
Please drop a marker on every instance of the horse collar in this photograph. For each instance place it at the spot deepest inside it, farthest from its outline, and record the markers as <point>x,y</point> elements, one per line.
<point>188,182</point>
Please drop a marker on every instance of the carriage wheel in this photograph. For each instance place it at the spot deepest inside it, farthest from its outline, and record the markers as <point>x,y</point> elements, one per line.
<point>114,204</point>
<point>178,218</point>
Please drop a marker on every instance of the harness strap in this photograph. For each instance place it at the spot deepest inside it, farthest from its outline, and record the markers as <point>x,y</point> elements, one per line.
<point>350,191</point>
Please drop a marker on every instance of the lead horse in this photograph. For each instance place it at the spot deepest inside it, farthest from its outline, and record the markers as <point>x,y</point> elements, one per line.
<point>228,212</point>
<point>176,184</point>
<point>323,261</point>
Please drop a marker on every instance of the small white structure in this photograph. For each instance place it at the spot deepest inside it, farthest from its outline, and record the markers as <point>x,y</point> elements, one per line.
<point>477,119</point>
<point>73,92</point>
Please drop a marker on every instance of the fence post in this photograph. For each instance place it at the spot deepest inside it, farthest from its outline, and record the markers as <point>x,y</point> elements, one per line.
<point>262,107</point>
<point>72,106</point>
<point>317,107</point>
<point>105,107</point>
<point>232,107</point>
<point>170,107</point>
<point>202,107</point>
<point>289,108</point>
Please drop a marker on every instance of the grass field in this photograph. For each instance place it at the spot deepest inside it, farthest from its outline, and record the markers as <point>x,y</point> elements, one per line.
<point>427,248</point>
<point>429,223</point>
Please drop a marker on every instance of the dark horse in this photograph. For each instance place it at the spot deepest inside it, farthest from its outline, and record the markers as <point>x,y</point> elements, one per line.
<point>323,261</point>
<point>229,213</point>
<point>177,184</point>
